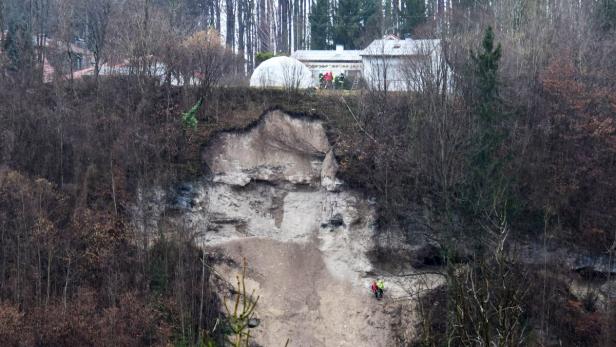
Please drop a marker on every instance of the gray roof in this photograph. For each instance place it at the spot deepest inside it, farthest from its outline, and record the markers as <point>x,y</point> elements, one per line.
<point>396,47</point>
<point>322,55</point>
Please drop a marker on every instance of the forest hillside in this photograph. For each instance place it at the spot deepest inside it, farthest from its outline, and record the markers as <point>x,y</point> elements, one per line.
<point>150,197</point>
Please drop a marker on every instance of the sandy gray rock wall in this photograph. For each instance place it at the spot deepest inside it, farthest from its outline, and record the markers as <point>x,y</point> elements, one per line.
<point>277,180</point>
<point>280,148</point>
<point>274,180</point>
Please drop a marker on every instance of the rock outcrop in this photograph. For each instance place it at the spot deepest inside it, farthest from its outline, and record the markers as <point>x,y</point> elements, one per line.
<point>279,148</point>
<point>572,259</point>
<point>277,180</point>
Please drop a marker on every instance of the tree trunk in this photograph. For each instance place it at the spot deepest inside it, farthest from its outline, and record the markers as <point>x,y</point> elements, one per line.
<point>241,28</point>
<point>66,280</point>
<point>113,190</point>
<point>202,299</point>
<point>49,260</point>
<point>230,33</point>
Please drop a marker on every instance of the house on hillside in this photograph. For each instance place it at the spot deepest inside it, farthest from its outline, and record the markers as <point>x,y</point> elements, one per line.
<point>68,56</point>
<point>58,55</point>
<point>393,64</point>
<point>155,69</point>
<point>337,61</point>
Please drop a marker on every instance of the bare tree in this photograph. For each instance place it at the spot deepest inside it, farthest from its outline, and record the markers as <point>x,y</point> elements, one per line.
<point>230,32</point>
<point>209,60</point>
<point>294,76</point>
<point>66,32</point>
<point>377,68</point>
<point>98,12</point>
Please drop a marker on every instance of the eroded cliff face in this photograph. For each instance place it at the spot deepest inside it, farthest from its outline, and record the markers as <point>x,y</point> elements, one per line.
<point>279,148</point>
<point>270,195</point>
<point>277,180</point>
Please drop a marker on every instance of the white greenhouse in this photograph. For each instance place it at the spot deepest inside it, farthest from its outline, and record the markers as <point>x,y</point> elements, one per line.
<point>282,72</point>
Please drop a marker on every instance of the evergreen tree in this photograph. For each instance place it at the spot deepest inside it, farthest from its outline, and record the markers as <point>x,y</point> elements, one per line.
<point>189,119</point>
<point>347,24</point>
<point>371,21</point>
<point>2,22</point>
<point>18,45</point>
<point>489,186</point>
<point>413,14</point>
<point>469,3</point>
<point>606,12</point>
<point>388,17</point>
<point>320,25</point>
<point>485,66</point>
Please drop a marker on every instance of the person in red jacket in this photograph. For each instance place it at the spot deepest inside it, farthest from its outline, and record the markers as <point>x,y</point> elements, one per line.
<point>375,289</point>
<point>329,77</point>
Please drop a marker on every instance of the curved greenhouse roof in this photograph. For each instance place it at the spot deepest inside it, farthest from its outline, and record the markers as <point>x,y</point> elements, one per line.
<point>282,72</point>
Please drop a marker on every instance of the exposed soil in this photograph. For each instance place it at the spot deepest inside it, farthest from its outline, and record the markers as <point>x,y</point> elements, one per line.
<point>300,300</point>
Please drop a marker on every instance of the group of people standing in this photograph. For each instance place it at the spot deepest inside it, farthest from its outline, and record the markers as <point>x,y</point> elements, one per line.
<point>327,80</point>
<point>377,288</point>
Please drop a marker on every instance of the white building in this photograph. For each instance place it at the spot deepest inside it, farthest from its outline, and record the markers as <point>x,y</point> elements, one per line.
<point>392,64</point>
<point>337,61</point>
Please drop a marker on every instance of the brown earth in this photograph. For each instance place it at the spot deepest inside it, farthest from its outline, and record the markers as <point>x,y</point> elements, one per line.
<point>300,300</point>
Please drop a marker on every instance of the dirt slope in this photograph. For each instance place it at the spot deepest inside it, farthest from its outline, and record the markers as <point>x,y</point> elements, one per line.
<point>301,300</point>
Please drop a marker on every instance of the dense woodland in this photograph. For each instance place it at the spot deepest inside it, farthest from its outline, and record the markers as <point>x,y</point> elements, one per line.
<point>520,148</point>
<point>248,26</point>
<point>252,26</point>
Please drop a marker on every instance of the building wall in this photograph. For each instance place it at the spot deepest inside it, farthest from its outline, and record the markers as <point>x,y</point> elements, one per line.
<point>384,73</point>
<point>399,73</point>
<point>350,69</point>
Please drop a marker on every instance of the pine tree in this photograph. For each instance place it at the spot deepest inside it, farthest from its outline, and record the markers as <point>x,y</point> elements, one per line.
<point>485,66</point>
<point>189,119</point>
<point>371,21</point>
<point>320,25</point>
<point>2,17</point>
<point>469,3</point>
<point>606,13</point>
<point>347,24</point>
<point>489,183</point>
<point>388,18</point>
<point>18,44</point>
<point>413,14</point>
